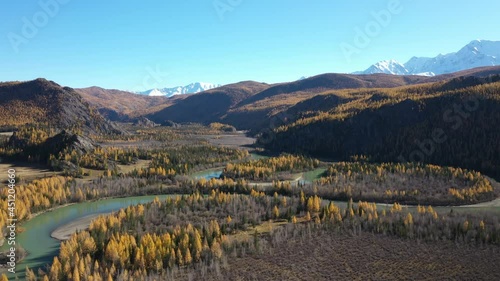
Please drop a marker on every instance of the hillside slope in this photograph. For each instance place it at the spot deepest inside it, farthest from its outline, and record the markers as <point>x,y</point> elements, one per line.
<point>43,101</point>
<point>447,123</point>
<point>335,81</point>
<point>208,106</point>
<point>253,106</point>
<point>248,104</point>
<point>121,105</point>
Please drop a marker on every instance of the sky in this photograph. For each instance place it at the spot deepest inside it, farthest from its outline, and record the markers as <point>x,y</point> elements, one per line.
<point>139,45</point>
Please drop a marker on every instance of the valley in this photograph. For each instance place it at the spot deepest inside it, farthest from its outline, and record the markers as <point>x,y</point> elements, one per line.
<point>253,179</point>
<point>249,140</point>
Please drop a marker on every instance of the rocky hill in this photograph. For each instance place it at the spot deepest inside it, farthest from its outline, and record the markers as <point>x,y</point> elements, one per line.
<point>44,102</point>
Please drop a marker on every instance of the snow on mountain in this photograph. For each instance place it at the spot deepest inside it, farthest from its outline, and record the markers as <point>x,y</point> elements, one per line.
<point>189,89</point>
<point>386,66</point>
<point>475,54</point>
<point>425,74</point>
<point>155,92</point>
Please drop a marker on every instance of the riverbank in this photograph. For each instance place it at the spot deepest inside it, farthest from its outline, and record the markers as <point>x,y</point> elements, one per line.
<point>45,230</point>
<point>490,204</point>
<point>37,240</point>
<point>64,232</point>
<point>32,216</point>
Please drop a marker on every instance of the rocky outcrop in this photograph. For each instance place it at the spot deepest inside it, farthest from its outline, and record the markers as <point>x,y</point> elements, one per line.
<point>145,122</point>
<point>72,142</point>
<point>43,102</point>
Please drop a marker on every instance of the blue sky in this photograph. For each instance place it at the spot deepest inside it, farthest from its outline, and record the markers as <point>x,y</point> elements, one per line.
<point>136,45</point>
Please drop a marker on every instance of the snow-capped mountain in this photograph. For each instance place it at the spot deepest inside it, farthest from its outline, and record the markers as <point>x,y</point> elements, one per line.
<point>386,66</point>
<point>189,89</point>
<point>475,54</point>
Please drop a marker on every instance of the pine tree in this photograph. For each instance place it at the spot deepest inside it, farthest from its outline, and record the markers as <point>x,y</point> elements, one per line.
<point>187,257</point>
<point>481,225</point>
<point>216,250</point>
<point>197,245</point>
<point>55,270</point>
<point>317,203</point>
<point>308,216</point>
<point>30,275</point>
<point>179,257</point>
<point>276,212</point>
<point>409,219</point>
<point>310,204</point>
<point>76,274</point>
<point>302,197</point>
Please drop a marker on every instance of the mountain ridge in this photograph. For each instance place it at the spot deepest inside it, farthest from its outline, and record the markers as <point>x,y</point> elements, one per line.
<point>398,124</point>
<point>247,105</point>
<point>119,105</point>
<point>250,109</point>
<point>477,53</point>
<point>192,88</point>
<point>42,101</point>
<point>209,105</point>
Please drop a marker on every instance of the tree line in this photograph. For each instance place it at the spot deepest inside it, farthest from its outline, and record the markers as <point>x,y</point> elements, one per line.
<point>435,124</point>
<point>267,168</point>
<point>410,183</point>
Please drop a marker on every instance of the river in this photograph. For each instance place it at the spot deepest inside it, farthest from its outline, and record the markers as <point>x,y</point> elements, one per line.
<point>37,240</point>
<point>36,237</point>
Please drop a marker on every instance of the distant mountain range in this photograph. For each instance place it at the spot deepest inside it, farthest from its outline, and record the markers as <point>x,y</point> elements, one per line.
<point>192,88</point>
<point>121,105</point>
<point>249,105</point>
<point>475,54</point>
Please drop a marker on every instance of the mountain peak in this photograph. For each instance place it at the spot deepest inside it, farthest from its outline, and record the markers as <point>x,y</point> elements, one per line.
<point>475,54</point>
<point>43,82</point>
<point>155,92</point>
<point>485,47</point>
<point>46,102</point>
<point>387,66</point>
<point>391,62</point>
<point>195,87</point>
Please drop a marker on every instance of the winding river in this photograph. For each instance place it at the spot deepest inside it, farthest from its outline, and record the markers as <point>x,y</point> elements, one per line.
<point>37,240</point>
<point>36,237</point>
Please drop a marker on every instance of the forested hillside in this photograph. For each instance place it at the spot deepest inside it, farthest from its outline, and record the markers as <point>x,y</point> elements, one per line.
<point>248,105</point>
<point>452,123</point>
<point>329,81</point>
<point>119,105</point>
<point>44,102</point>
<point>208,106</point>
<point>252,106</point>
